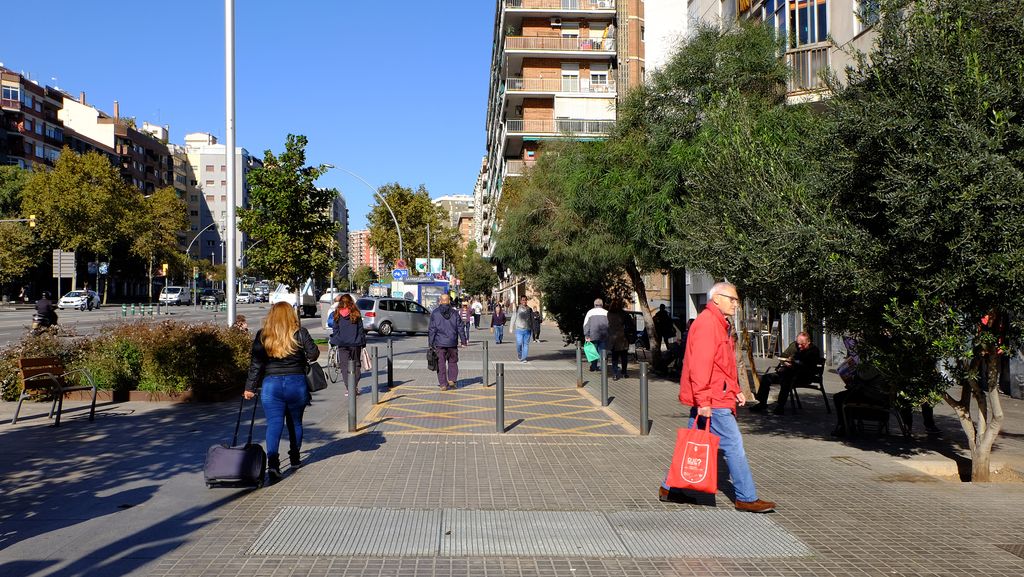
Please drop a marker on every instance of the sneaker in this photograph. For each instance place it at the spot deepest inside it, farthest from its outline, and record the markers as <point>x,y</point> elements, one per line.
<point>452,385</point>
<point>523,361</point>
<point>757,506</point>
<point>443,387</point>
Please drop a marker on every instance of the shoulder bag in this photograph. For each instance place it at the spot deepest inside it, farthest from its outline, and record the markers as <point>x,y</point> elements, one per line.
<point>316,380</point>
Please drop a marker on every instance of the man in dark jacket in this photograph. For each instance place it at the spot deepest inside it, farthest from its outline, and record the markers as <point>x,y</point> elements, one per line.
<point>46,310</point>
<point>443,337</point>
<point>797,368</point>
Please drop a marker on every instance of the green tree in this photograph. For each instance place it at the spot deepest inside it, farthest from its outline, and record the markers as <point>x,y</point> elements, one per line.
<point>82,204</point>
<point>362,277</point>
<point>477,273</point>
<point>19,251</point>
<point>414,211</point>
<point>289,217</point>
<point>926,162</point>
<point>161,219</point>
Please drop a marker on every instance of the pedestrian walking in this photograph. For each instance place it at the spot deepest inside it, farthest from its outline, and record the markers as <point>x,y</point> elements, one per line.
<point>618,338</point>
<point>536,324</point>
<point>498,320</point>
<point>522,324</point>
<point>348,335</point>
<point>477,309</point>
<point>443,337</point>
<point>710,386</point>
<point>595,328</point>
<point>277,370</point>
<point>465,315</point>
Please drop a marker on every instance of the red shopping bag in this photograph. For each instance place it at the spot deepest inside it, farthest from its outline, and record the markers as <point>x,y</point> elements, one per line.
<point>695,460</point>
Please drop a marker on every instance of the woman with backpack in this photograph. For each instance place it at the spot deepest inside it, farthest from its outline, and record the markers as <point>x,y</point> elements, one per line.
<point>348,336</point>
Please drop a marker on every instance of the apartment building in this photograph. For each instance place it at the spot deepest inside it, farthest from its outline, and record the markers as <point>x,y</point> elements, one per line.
<point>460,211</point>
<point>361,253</point>
<point>558,68</point>
<point>208,196</point>
<point>340,252</point>
<point>31,131</point>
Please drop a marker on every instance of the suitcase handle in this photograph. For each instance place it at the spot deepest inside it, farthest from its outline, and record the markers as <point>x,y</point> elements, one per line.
<point>238,422</point>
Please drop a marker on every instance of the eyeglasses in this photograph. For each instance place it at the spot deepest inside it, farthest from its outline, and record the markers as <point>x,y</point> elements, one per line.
<point>732,299</point>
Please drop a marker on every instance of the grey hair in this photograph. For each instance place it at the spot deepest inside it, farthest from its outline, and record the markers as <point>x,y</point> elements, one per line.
<point>598,303</point>
<point>718,288</point>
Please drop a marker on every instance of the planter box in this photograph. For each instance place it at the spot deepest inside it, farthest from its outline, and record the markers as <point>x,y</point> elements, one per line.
<point>101,396</point>
<point>150,396</point>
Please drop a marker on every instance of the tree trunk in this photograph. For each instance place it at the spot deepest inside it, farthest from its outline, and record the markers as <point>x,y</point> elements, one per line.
<point>641,294</point>
<point>149,289</point>
<point>983,432</point>
<point>106,279</point>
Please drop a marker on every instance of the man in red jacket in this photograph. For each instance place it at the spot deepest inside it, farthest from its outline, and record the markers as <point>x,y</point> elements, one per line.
<point>709,385</point>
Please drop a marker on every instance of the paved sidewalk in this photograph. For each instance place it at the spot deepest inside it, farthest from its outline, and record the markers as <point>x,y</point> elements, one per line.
<point>124,495</point>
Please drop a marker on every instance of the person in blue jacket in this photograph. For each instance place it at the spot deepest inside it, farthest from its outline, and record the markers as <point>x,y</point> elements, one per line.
<point>443,337</point>
<point>348,335</point>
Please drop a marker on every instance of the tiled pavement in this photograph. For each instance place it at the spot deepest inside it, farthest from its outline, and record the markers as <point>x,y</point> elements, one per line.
<point>124,496</point>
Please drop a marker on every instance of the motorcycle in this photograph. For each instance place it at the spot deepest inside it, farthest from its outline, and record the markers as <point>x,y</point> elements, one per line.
<point>41,322</point>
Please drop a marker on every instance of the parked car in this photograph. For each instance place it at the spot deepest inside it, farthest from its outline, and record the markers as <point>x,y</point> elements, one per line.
<point>261,292</point>
<point>81,300</point>
<point>175,295</point>
<point>387,315</point>
<point>245,298</point>
<point>211,296</point>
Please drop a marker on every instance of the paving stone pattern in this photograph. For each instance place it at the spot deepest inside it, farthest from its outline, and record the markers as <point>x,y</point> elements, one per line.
<point>858,506</point>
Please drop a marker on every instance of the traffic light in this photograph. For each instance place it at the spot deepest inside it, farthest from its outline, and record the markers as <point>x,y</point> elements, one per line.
<point>163,268</point>
<point>31,221</point>
<point>195,273</point>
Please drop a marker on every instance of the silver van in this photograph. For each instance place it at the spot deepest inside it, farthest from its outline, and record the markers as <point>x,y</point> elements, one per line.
<point>386,315</point>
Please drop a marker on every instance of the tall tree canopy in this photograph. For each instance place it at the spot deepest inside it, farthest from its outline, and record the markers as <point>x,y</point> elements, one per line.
<point>414,211</point>
<point>289,217</point>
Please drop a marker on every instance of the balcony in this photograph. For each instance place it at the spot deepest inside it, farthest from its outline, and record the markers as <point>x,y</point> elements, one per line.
<point>518,167</point>
<point>559,126</point>
<point>806,65</point>
<point>10,103</point>
<point>552,85</point>
<point>560,5</point>
<point>558,44</point>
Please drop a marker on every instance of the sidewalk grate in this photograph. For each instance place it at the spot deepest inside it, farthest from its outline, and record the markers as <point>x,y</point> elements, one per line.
<point>382,532</point>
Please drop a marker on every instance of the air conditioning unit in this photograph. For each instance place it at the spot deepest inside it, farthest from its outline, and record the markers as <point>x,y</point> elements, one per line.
<point>556,22</point>
<point>604,3</point>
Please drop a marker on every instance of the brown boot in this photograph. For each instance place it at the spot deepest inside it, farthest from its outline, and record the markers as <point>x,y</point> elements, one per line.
<point>757,506</point>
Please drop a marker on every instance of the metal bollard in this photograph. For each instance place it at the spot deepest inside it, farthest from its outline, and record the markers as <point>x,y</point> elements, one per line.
<point>391,363</point>
<point>579,364</point>
<point>645,421</point>
<point>604,377</point>
<point>499,398</point>
<point>375,391</point>
<point>486,372</point>
<point>124,310</point>
<point>353,371</point>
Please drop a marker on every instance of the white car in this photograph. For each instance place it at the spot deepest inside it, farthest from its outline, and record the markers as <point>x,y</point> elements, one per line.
<point>175,295</point>
<point>81,300</point>
<point>244,298</point>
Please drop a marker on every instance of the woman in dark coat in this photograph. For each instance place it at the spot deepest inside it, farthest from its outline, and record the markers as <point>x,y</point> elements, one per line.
<point>348,335</point>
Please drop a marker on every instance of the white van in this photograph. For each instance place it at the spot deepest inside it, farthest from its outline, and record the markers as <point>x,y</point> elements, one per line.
<point>282,295</point>
<point>175,295</point>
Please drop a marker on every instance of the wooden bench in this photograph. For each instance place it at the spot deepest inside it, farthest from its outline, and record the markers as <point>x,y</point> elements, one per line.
<point>48,377</point>
<point>817,382</point>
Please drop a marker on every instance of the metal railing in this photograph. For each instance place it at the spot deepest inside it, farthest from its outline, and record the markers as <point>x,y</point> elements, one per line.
<point>576,85</point>
<point>806,67</point>
<point>561,4</point>
<point>559,44</point>
<point>10,103</point>
<point>560,126</point>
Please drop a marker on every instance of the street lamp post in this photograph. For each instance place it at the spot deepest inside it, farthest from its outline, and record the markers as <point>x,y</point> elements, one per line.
<point>401,252</point>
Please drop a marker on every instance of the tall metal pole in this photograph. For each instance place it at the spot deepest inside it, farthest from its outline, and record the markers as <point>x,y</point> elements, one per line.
<point>398,229</point>
<point>604,377</point>
<point>645,419</point>
<point>229,153</point>
<point>428,247</point>
<point>499,398</point>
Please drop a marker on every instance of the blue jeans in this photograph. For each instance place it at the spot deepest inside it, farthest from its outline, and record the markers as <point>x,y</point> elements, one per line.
<point>464,333</point>
<point>723,424</point>
<point>499,333</point>
<point>523,337</point>
<point>283,394</point>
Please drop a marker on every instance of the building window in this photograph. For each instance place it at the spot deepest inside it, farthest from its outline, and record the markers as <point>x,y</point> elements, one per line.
<point>11,93</point>
<point>570,77</point>
<point>54,133</point>
<point>867,13</point>
<point>39,128</point>
<point>599,74</point>
<point>209,168</point>
<point>209,183</point>
<point>26,99</point>
<point>570,30</point>
<point>211,243</point>
<point>223,168</point>
<point>28,125</point>
<point>39,151</point>
<point>193,213</point>
<point>223,183</point>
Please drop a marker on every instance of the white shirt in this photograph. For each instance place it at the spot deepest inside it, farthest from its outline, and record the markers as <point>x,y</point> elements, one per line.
<point>477,307</point>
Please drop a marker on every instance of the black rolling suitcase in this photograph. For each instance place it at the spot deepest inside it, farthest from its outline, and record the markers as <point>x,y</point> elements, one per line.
<point>234,465</point>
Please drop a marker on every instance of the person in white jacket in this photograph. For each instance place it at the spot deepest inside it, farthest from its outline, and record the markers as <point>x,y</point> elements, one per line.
<point>595,328</point>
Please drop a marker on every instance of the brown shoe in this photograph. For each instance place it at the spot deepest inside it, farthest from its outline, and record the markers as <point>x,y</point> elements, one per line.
<point>757,506</point>
<point>672,496</point>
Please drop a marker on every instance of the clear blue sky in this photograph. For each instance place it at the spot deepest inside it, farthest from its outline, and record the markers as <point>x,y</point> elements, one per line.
<point>393,91</point>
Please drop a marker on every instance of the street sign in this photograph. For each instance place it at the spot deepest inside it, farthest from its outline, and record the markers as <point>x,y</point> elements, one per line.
<point>63,264</point>
<point>400,264</point>
<point>400,273</point>
<point>104,267</point>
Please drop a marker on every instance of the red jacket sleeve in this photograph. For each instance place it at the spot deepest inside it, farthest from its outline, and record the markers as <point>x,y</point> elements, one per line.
<point>700,355</point>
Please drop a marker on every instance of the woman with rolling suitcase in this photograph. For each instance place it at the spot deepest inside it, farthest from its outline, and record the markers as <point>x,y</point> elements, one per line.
<point>280,353</point>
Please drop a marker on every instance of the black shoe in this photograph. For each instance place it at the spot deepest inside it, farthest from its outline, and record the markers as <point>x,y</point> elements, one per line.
<point>615,377</point>
<point>294,459</point>
<point>673,496</point>
<point>274,468</point>
<point>759,408</point>
<point>780,410</point>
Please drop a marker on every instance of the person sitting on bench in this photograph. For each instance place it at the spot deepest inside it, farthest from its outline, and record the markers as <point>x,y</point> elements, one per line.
<point>797,366</point>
